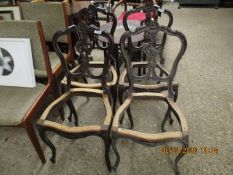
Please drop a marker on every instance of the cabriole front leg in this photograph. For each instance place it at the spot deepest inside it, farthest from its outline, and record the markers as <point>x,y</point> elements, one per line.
<point>44,137</point>
<point>114,141</point>
<point>107,144</point>
<point>181,154</point>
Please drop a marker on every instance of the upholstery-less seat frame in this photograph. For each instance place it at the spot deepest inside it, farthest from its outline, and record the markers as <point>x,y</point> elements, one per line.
<point>151,139</point>
<point>76,132</point>
<point>151,11</point>
<point>84,48</point>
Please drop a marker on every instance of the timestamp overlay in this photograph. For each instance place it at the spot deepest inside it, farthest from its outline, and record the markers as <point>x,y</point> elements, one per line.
<point>190,150</point>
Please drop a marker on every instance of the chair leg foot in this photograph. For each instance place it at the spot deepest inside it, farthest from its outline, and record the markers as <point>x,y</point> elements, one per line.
<point>46,140</point>
<point>171,120</point>
<point>52,159</point>
<point>85,80</point>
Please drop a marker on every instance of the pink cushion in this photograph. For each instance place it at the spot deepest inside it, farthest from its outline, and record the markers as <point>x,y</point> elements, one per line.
<point>136,16</point>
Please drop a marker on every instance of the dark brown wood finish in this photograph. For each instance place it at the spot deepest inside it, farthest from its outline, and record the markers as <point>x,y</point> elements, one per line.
<point>163,80</point>
<point>90,15</point>
<point>150,10</point>
<point>44,125</point>
<point>86,36</point>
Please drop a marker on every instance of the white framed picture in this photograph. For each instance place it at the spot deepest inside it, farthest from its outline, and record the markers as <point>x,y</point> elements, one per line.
<point>16,63</point>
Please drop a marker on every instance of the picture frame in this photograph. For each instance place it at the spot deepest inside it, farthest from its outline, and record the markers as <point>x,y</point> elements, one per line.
<point>10,13</point>
<point>7,15</point>
<point>16,63</point>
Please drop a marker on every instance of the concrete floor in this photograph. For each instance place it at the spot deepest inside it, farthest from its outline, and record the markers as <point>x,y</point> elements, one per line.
<point>205,97</point>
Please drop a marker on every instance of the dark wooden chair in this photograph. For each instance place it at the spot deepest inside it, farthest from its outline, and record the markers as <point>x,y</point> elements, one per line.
<point>90,15</point>
<point>77,5</point>
<point>83,47</point>
<point>139,64</point>
<point>145,13</point>
<point>129,5</point>
<point>139,56</point>
<point>20,105</point>
<point>93,14</point>
<point>151,13</point>
<point>137,88</point>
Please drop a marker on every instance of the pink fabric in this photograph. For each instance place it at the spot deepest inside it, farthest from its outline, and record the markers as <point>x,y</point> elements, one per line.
<point>136,16</point>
